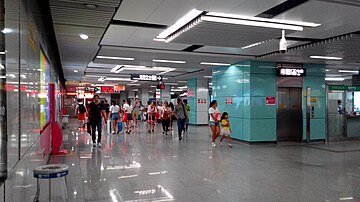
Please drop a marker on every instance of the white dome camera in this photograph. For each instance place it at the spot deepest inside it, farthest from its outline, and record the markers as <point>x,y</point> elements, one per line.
<point>283,43</point>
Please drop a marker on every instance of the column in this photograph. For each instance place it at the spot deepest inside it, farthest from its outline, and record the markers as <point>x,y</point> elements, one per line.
<point>165,94</point>
<point>198,99</point>
<point>144,95</point>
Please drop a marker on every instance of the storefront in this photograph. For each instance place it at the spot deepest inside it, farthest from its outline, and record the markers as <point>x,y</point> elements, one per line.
<point>343,112</point>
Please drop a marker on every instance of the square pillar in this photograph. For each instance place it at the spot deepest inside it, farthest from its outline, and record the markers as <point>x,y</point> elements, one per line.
<point>199,99</point>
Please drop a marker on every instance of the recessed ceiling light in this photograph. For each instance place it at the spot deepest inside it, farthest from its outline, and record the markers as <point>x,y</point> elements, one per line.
<point>325,57</point>
<point>349,71</point>
<point>208,77</point>
<point>76,71</point>
<point>114,58</point>
<point>84,36</point>
<point>327,70</point>
<point>334,79</point>
<point>215,63</point>
<point>170,61</point>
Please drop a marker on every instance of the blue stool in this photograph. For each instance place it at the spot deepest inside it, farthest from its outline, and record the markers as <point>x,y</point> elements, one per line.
<point>51,183</point>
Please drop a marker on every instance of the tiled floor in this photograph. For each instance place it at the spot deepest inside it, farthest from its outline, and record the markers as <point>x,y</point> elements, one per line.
<point>154,167</point>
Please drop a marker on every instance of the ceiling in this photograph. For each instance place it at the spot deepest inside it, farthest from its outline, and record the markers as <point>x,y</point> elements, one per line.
<point>127,28</point>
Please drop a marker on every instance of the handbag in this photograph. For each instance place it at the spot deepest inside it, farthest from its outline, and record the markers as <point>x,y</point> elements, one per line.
<point>124,118</point>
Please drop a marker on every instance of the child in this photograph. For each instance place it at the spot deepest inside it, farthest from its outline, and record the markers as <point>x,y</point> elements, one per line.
<point>225,128</point>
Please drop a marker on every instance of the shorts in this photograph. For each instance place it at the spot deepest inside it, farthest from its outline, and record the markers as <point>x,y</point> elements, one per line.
<point>114,116</point>
<point>135,115</point>
<point>151,118</point>
<point>81,116</point>
<point>225,132</point>
<point>129,117</point>
<point>213,123</point>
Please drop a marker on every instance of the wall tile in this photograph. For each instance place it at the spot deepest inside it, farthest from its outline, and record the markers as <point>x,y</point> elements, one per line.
<point>263,130</point>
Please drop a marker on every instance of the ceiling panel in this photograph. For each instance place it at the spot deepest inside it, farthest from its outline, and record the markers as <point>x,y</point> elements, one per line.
<point>154,11</point>
<point>337,19</point>
<point>118,35</point>
<point>254,7</point>
<point>137,10</point>
<point>226,35</point>
<point>347,47</point>
<point>72,18</point>
<point>267,47</point>
<point>145,56</point>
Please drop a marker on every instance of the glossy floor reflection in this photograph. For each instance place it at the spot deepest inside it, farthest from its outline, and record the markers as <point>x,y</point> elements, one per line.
<point>154,167</point>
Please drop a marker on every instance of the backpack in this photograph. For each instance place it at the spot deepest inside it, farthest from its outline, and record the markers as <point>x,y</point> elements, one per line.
<point>82,108</point>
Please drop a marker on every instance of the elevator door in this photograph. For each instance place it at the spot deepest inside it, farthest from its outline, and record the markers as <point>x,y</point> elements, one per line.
<point>289,114</point>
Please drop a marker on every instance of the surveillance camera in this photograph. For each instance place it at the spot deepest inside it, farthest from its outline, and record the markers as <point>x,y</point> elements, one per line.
<point>283,43</point>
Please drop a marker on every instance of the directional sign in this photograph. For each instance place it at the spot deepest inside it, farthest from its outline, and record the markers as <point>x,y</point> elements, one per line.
<point>145,77</point>
<point>291,72</point>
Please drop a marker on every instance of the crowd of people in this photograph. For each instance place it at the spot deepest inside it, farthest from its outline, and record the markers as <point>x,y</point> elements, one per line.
<point>129,114</point>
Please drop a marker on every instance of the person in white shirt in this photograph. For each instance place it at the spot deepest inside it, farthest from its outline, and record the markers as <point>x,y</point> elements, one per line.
<point>215,118</point>
<point>151,116</point>
<point>115,114</point>
<point>128,110</point>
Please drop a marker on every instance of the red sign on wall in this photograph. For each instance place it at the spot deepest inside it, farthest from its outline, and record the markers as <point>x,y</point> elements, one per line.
<point>229,101</point>
<point>270,100</point>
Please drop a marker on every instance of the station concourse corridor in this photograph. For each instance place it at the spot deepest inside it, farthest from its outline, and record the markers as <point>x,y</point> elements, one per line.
<point>155,167</point>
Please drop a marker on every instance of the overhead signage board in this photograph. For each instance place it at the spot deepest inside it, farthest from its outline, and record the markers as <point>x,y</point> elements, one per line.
<point>291,72</point>
<point>344,88</point>
<point>145,77</point>
<point>107,89</point>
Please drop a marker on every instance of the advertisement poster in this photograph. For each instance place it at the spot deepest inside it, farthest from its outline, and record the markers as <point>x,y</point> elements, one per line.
<point>44,95</point>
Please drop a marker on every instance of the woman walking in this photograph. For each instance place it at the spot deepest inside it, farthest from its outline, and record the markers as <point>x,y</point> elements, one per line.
<point>136,109</point>
<point>128,110</point>
<point>215,119</point>
<point>172,117</point>
<point>165,117</point>
<point>115,112</point>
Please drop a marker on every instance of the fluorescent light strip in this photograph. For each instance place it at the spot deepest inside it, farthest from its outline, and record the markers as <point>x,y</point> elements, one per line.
<point>215,64</point>
<point>253,45</point>
<point>180,23</point>
<point>133,84</point>
<point>114,58</point>
<point>252,23</point>
<point>170,70</point>
<point>118,79</point>
<point>334,79</point>
<point>182,81</point>
<point>208,77</point>
<point>348,71</point>
<point>325,57</point>
<point>170,61</point>
<point>2,53</point>
<point>290,22</point>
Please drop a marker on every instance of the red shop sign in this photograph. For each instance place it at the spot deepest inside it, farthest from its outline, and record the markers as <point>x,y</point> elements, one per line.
<point>270,101</point>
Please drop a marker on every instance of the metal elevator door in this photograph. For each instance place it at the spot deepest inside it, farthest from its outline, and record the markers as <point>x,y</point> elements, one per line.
<point>289,114</point>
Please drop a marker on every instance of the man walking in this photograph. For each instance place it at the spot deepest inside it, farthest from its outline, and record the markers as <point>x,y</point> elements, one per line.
<point>180,115</point>
<point>96,119</point>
